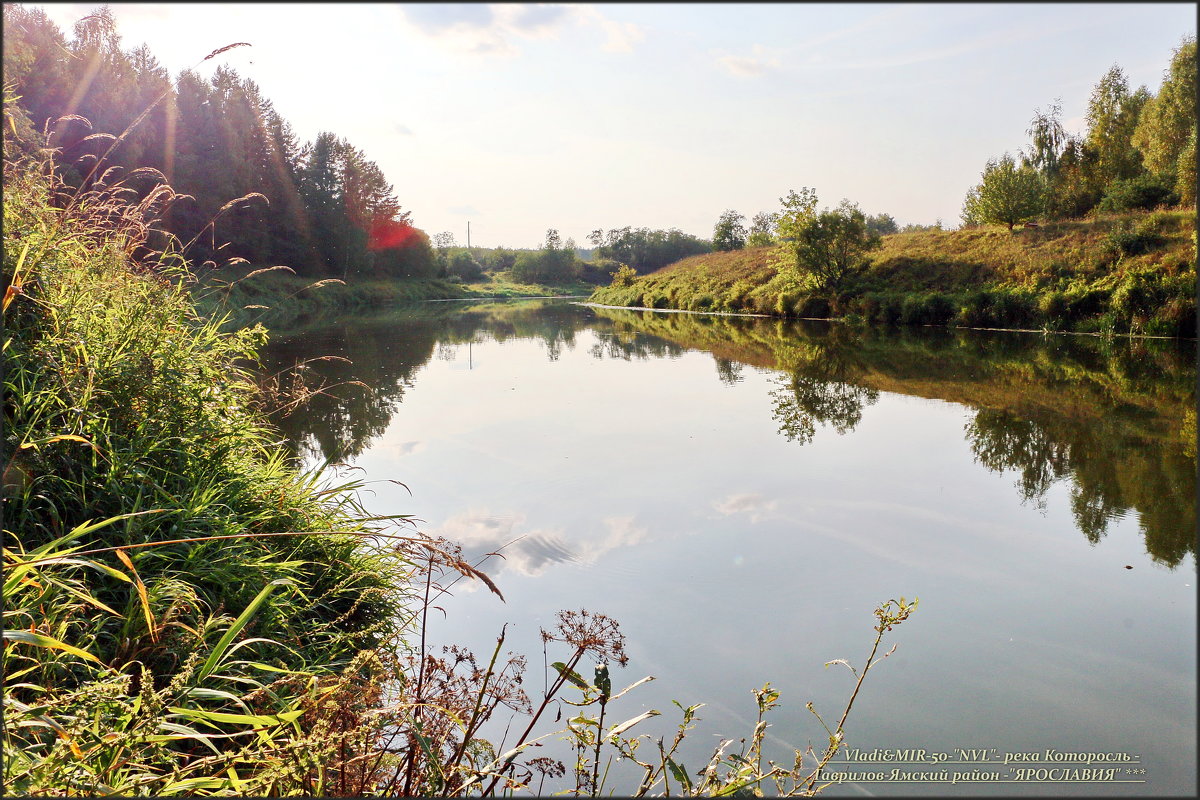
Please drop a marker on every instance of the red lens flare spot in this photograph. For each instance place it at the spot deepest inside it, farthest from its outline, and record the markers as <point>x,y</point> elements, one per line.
<point>388,233</point>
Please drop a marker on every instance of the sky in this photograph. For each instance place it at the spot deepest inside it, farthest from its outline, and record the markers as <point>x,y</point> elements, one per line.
<point>517,118</point>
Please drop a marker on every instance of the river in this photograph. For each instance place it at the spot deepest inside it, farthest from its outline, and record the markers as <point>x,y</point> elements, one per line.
<point>740,494</point>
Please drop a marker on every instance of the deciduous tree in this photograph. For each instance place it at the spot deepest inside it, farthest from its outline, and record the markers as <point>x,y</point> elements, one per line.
<point>830,247</point>
<point>1009,194</point>
<point>1168,120</point>
<point>729,233</point>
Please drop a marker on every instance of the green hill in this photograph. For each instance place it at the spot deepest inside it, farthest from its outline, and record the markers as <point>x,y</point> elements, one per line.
<point>1132,273</point>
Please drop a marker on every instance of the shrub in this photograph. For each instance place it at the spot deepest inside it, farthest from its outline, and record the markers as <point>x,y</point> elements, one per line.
<point>1052,307</point>
<point>1010,308</point>
<point>624,276</point>
<point>1134,299</point>
<point>973,312</point>
<point>464,268</point>
<point>785,303</point>
<point>812,306</point>
<point>1141,193</point>
<point>1125,239</point>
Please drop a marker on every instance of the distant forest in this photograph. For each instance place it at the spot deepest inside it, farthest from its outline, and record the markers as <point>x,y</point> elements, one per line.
<point>322,208</point>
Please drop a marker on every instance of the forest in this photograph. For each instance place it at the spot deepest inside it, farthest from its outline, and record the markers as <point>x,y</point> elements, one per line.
<point>323,208</point>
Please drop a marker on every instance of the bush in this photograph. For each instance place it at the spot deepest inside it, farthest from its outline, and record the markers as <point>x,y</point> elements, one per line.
<point>1010,309</point>
<point>1141,193</point>
<point>1083,303</point>
<point>1125,239</point>
<point>1134,299</point>
<point>926,309</point>
<point>785,303</point>
<point>624,276</point>
<point>973,312</point>
<point>813,306</point>
<point>464,268</point>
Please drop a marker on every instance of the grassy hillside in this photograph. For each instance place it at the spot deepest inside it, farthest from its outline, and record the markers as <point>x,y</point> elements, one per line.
<point>1127,274</point>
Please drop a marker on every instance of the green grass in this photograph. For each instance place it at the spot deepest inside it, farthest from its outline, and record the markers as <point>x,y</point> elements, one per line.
<point>171,582</point>
<point>1130,273</point>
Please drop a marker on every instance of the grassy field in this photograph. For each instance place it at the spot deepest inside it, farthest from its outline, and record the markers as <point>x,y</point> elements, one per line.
<point>1123,274</point>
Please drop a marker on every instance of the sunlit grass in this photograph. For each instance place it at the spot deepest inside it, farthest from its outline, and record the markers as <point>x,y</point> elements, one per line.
<point>1130,273</point>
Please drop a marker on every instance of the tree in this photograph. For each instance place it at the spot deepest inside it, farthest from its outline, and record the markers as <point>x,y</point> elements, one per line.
<point>1168,120</point>
<point>729,233</point>
<point>1048,138</point>
<point>762,229</point>
<point>1008,194</point>
<point>1112,118</point>
<point>798,210</point>
<point>831,247</point>
<point>554,263</point>
<point>645,250</point>
<point>883,224</point>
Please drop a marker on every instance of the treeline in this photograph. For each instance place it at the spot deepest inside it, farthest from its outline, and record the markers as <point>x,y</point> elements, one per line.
<point>557,262</point>
<point>321,207</point>
<point>731,232</point>
<point>645,250</point>
<point>1137,153</point>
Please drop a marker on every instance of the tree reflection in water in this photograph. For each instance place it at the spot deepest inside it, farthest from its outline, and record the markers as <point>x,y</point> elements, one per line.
<point>1113,419</point>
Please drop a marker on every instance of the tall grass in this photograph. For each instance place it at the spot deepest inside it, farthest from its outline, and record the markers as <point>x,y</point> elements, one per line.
<point>222,588</point>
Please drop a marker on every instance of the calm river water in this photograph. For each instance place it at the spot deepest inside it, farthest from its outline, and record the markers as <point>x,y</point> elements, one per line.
<point>741,493</point>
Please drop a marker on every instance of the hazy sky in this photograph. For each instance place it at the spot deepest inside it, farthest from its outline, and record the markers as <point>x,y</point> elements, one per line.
<point>524,117</point>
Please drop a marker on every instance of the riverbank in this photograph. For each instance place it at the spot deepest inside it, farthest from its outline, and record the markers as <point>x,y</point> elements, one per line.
<point>279,299</point>
<point>177,595</point>
<point>1131,273</point>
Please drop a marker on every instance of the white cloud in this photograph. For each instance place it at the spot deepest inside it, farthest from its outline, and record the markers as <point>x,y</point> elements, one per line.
<point>531,552</point>
<point>493,30</point>
<point>759,62</point>
<point>754,505</point>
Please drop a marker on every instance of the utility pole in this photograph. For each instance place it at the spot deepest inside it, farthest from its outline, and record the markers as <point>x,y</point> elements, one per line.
<point>468,234</point>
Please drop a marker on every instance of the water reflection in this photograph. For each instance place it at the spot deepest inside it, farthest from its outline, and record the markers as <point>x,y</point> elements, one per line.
<point>1108,419</point>
<point>357,393</point>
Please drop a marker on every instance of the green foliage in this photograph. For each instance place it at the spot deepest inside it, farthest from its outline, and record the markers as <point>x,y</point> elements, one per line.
<point>553,264</point>
<point>464,268</point>
<point>181,639</point>
<point>1112,116</point>
<point>882,224</point>
<point>832,246</point>
<point>645,250</point>
<point>624,276</point>
<point>1048,139</point>
<point>1185,172</point>
<point>729,233</point>
<point>799,209</point>
<point>1127,239</point>
<point>1009,194</point>
<point>1143,192</point>
<point>1168,120</point>
<point>762,229</point>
